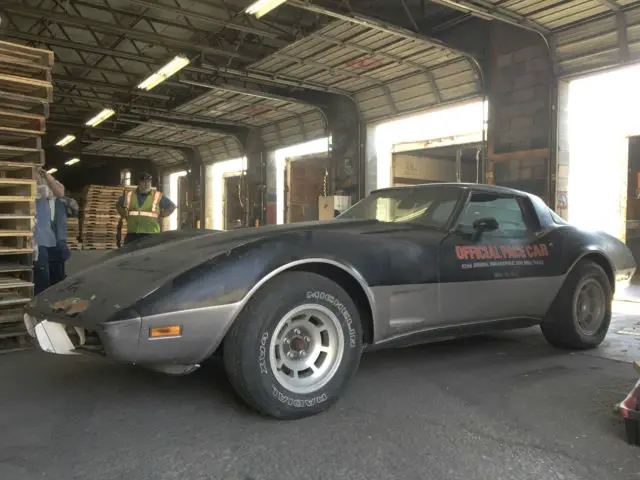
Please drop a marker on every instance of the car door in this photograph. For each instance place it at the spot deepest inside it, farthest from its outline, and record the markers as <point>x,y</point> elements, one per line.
<point>496,274</point>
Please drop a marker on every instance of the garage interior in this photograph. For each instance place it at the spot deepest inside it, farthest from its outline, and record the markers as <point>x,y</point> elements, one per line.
<point>455,163</point>
<point>260,90</point>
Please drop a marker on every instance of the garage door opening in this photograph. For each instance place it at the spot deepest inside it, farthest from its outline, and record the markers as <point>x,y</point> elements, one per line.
<point>283,157</point>
<point>304,185</point>
<point>602,118</point>
<point>463,125</point>
<point>234,202</point>
<point>177,193</point>
<point>454,163</point>
<point>227,206</point>
<point>633,198</point>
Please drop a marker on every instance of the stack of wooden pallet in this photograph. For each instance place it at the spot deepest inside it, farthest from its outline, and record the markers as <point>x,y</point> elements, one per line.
<point>25,93</point>
<point>100,217</point>
<point>73,234</point>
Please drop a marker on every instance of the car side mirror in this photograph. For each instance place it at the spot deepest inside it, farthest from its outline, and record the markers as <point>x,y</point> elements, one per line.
<point>488,224</point>
<point>483,225</point>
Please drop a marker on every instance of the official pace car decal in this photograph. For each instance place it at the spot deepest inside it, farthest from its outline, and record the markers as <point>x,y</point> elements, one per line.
<point>501,255</point>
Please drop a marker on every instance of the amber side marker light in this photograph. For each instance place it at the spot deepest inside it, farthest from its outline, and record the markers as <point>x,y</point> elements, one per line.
<point>168,331</point>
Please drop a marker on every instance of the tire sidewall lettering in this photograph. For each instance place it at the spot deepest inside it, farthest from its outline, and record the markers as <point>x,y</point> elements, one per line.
<point>332,301</point>
<point>297,402</point>
<point>262,354</point>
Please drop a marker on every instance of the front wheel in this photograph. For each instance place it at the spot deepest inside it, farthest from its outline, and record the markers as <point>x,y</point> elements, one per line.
<point>581,314</point>
<point>295,346</point>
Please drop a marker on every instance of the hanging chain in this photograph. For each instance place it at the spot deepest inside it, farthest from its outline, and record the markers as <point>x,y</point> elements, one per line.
<point>324,183</point>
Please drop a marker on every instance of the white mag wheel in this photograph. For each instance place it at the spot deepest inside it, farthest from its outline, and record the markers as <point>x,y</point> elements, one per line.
<point>307,348</point>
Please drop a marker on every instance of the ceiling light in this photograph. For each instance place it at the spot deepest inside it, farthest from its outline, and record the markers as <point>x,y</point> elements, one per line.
<point>73,161</point>
<point>52,170</point>
<point>262,7</point>
<point>171,68</point>
<point>66,140</point>
<point>101,117</point>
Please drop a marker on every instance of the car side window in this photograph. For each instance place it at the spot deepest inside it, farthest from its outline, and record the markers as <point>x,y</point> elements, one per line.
<point>505,209</point>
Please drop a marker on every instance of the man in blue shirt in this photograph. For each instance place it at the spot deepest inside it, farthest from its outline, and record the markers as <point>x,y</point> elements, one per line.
<point>143,209</point>
<point>48,189</point>
<point>62,209</point>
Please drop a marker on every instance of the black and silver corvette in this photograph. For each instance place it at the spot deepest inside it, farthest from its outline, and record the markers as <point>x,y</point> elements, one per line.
<point>292,307</point>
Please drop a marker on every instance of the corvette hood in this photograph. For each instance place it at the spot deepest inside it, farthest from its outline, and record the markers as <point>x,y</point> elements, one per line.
<point>121,278</point>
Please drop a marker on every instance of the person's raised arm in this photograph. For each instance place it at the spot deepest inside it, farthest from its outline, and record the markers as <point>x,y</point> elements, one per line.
<point>56,187</point>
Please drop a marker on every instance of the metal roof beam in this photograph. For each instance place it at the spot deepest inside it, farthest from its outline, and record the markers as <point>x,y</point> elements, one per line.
<point>107,87</point>
<point>490,11</point>
<point>151,62</point>
<point>181,147</point>
<point>81,153</point>
<point>247,92</point>
<point>176,126</point>
<point>107,71</point>
<point>209,127</point>
<point>611,5</point>
<point>623,39</point>
<point>181,12</point>
<point>153,38</point>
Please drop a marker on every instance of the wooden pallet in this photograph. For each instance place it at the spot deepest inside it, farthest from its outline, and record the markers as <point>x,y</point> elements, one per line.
<point>20,157</point>
<point>100,246</point>
<point>28,87</point>
<point>23,54</point>
<point>27,122</point>
<point>24,68</point>
<point>23,103</point>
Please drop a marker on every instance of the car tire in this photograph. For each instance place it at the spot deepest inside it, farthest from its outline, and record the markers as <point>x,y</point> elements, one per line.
<point>295,346</point>
<point>580,316</point>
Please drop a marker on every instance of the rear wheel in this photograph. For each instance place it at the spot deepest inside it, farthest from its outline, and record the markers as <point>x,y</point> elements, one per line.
<point>295,346</point>
<point>581,314</point>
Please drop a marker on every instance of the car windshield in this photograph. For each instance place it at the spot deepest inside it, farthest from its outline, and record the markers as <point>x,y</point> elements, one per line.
<point>427,206</point>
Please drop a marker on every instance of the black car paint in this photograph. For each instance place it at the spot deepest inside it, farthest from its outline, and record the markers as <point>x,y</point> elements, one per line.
<point>184,270</point>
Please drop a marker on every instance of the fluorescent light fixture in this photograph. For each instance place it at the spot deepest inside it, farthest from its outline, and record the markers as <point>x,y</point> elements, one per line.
<point>171,68</point>
<point>52,170</point>
<point>101,117</point>
<point>66,140</point>
<point>73,161</point>
<point>262,7</point>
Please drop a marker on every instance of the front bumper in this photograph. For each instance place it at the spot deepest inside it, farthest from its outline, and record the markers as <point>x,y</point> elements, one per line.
<point>129,341</point>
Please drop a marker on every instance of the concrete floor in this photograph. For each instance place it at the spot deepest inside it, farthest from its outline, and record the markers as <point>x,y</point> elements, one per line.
<point>491,408</point>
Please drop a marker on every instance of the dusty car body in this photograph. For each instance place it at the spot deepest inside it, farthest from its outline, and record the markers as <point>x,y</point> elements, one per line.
<point>291,307</point>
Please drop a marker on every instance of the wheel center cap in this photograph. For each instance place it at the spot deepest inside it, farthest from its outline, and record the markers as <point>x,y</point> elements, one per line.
<point>298,344</point>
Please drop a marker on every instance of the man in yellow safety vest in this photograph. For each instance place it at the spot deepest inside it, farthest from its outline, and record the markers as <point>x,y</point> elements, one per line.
<point>143,209</point>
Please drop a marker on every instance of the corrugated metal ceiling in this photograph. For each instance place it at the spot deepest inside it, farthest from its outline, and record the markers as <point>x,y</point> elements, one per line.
<point>595,44</point>
<point>397,74</point>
